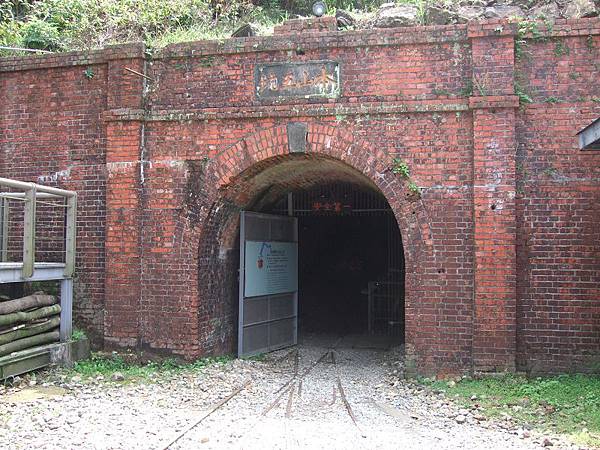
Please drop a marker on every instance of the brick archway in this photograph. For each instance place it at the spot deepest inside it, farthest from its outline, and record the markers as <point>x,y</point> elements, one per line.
<point>229,186</point>
<point>268,146</point>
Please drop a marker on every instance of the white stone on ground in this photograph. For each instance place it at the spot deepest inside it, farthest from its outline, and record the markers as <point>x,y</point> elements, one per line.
<point>391,413</point>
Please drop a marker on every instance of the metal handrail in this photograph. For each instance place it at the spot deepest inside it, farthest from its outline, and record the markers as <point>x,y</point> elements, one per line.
<point>30,194</point>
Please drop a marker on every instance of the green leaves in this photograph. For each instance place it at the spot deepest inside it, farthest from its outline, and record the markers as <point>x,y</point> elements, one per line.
<point>62,25</point>
<point>40,35</point>
<point>400,167</point>
<point>106,365</point>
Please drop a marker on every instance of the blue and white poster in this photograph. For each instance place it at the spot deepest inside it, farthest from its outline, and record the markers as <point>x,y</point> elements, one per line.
<point>271,268</point>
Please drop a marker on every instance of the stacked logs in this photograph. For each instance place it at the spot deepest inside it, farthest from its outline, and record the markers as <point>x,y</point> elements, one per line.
<point>28,321</point>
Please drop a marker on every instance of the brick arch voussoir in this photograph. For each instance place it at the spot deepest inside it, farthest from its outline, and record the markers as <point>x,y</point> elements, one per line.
<point>328,140</point>
<point>261,145</point>
<point>339,143</point>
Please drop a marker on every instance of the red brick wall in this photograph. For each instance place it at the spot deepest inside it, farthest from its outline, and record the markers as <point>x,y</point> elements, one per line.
<point>51,132</point>
<point>558,218</point>
<point>502,246</point>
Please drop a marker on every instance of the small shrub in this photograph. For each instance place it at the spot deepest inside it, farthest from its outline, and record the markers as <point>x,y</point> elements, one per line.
<point>106,365</point>
<point>524,97</point>
<point>561,49</point>
<point>78,335</point>
<point>401,168</point>
<point>568,404</point>
<point>40,35</point>
<point>412,187</point>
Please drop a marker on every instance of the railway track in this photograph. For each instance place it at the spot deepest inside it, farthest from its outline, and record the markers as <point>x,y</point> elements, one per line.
<point>288,395</point>
<point>293,389</point>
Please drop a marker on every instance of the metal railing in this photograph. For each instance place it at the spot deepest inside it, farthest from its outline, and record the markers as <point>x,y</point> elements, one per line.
<point>19,205</point>
<point>386,308</point>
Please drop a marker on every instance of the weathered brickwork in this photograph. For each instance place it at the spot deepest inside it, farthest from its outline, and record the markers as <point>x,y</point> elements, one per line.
<point>502,245</point>
<point>558,221</point>
<point>51,132</point>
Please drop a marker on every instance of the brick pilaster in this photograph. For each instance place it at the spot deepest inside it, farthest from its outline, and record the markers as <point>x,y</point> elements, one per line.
<point>494,142</point>
<point>123,200</point>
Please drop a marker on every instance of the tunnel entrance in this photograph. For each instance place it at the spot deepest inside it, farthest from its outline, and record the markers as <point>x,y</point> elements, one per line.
<point>350,266</point>
<point>350,254</point>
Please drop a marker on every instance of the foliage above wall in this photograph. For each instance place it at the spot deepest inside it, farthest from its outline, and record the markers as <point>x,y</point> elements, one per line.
<point>62,25</point>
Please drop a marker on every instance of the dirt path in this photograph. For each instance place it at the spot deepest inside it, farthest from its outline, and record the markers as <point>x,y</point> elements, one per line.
<point>291,400</point>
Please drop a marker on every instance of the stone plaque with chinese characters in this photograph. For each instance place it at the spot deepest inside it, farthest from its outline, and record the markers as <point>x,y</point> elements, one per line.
<point>297,80</point>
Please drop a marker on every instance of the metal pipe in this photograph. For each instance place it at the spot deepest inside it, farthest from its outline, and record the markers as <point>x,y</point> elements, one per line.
<point>4,219</point>
<point>20,49</point>
<point>38,187</point>
<point>21,195</point>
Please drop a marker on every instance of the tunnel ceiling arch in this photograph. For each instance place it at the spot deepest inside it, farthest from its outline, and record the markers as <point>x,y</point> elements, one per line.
<point>264,183</point>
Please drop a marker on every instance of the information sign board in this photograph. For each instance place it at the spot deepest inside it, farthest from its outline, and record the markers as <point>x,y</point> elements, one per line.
<point>271,268</point>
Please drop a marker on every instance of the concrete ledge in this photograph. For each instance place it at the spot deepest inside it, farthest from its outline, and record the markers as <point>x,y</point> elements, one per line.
<point>60,353</point>
<point>290,110</point>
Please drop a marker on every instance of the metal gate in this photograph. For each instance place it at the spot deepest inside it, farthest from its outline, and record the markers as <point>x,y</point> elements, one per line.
<point>384,293</point>
<point>268,299</point>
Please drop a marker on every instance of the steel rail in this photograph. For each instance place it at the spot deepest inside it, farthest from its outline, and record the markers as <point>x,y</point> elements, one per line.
<point>343,396</point>
<point>217,406</point>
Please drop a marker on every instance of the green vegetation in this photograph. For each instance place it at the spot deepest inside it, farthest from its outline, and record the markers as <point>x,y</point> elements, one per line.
<point>59,25</point>
<point>524,97</point>
<point>561,49</point>
<point>589,42</point>
<point>62,25</point>
<point>400,167</point>
<point>467,91</point>
<point>107,365</point>
<point>520,168</point>
<point>567,404</point>
<point>442,92</point>
<point>89,73</point>
<point>529,29</point>
<point>412,187</point>
<point>78,335</point>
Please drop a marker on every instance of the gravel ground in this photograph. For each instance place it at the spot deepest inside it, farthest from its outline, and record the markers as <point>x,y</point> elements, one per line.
<point>308,413</point>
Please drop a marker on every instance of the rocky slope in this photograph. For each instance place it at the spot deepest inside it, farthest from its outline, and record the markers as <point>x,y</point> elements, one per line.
<point>444,13</point>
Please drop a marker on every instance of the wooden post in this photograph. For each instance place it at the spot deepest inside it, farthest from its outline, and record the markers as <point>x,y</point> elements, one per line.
<point>29,233</point>
<point>66,306</point>
<point>70,236</point>
<point>4,209</point>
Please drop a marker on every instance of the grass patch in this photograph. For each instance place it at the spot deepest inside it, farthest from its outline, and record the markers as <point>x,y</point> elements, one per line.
<point>78,335</point>
<point>106,365</point>
<point>565,404</point>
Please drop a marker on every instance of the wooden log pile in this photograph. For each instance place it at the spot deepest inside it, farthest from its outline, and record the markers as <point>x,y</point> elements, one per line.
<point>28,322</point>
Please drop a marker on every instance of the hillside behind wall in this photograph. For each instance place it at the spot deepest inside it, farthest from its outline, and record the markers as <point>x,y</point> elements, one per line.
<point>86,122</point>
